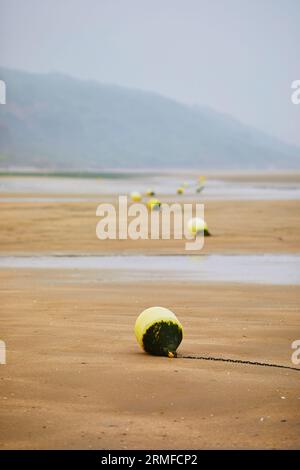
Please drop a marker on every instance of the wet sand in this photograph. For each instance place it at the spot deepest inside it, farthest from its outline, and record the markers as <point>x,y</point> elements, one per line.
<point>270,269</point>
<point>69,227</point>
<point>75,377</point>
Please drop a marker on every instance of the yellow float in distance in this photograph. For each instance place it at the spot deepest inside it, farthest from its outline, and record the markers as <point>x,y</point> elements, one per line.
<point>200,188</point>
<point>153,204</point>
<point>150,192</point>
<point>197,225</point>
<point>136,196</point>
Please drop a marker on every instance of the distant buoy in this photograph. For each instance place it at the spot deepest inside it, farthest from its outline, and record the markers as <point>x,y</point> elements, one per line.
<point>150,192</point>
<point>197,225</point>
<point>136,196</point>
<point>200,189</point>
<point>180,190</point>
<point>153,204</point>
<point>158,331</point>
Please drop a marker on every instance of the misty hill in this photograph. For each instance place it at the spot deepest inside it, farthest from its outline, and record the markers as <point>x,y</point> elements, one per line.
<point>54,121</point>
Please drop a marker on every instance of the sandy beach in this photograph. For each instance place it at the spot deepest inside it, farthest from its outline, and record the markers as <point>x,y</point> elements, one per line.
<point>149,231</point>
<point>70,227</point>
<point>75,376</point>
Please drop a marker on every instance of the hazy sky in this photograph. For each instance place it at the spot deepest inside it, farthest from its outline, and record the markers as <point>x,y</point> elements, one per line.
<point>237,56</point>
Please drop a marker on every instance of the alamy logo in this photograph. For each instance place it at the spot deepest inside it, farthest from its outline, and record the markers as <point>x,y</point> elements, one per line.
<point>137,221</point>
<point>2,92</point>
<point>2,352</point>
<point>295,97</point>
<point>296,354</point>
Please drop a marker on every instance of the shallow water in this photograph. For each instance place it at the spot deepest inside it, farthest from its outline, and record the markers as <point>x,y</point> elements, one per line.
<point>50,199</point>
<point>163,185</point>
<point>266,269</point>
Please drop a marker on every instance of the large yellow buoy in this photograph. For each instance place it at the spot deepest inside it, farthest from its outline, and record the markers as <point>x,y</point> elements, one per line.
<point>197,225</point>
<point>153,204</point>
<point>180,190</point>
<point>158,331</point>
<point>136,196</point>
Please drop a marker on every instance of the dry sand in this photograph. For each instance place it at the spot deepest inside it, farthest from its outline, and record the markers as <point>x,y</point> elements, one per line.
<point>76,378</point>
<point>70,227</point>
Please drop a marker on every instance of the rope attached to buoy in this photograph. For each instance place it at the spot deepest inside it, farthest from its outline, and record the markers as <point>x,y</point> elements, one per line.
<point>238,361</point>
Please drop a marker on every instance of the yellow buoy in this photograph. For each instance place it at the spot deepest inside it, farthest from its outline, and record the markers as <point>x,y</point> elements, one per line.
<point>180,190</point>
<point>150,192</point>
<point>153,204</point>
<point>197,225</point>
<point>158,331</point>
<point>136,196</point>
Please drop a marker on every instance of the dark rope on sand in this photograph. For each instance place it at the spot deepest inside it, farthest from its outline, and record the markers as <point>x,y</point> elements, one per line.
<point>238,361</point>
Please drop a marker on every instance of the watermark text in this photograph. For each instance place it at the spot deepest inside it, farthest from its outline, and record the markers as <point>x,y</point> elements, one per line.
<point>296,354</point>
<point>164,221</point>
<point>2,92</point>
<point>2,352</point>
<point>295,96</point>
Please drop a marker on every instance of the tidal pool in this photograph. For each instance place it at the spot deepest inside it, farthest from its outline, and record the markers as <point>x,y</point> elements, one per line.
<point>262,269</point>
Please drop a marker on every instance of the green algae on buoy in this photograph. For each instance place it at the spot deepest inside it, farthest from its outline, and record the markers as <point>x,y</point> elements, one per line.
<point>197,225</point>
<point>153,204</point>
<point>158,331</point>
<point>150,192</point>
<point>199,189</point>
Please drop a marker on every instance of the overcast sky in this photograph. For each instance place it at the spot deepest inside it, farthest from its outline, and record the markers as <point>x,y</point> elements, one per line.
<point>236,56</point>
